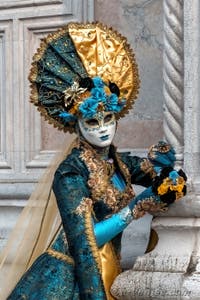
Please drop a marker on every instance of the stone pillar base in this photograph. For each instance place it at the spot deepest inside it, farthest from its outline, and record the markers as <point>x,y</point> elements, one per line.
<point>172,270</point>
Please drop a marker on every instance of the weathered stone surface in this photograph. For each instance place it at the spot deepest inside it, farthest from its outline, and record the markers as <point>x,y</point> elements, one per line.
<point>147,285</point>
<point>141,22</point>
<point>171,270</point>
<point>134,241</point>
<point>133,133</point>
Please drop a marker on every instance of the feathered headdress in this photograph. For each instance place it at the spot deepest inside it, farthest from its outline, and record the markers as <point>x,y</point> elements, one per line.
<point>82,69</point>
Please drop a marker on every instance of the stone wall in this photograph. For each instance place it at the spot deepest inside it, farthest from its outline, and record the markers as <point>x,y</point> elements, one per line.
<point>141,21</point>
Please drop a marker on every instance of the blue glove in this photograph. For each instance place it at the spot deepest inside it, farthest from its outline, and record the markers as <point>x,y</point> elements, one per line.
<point>171,184</point>
<point>107,229</point>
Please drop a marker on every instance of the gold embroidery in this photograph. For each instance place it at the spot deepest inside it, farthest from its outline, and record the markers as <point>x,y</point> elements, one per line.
<point>91,239</point>
<point>123,169</point>
<point>147,167</point>
<point>148,205</point>
<point>60,256</point>
<point>85,205</point>
<point>99,181</point>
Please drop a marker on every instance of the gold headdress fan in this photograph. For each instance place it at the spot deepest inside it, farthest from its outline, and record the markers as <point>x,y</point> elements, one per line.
<point>75,52</point>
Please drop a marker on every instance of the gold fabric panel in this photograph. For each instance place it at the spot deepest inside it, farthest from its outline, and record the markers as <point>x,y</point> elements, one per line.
<point>110,267</point>
<point>153,241</point>
<point>106,53</point>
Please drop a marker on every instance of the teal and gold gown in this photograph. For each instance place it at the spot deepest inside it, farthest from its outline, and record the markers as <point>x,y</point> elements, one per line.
<point>94,194</point>
<point>92,197</point>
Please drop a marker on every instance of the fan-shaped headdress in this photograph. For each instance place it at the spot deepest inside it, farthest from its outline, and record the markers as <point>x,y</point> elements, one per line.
<point>82,69</point>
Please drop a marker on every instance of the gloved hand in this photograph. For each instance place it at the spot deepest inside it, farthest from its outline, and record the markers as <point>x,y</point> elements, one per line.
<point>169,186</point>
<point>162,155</point>
<point>147,201</point>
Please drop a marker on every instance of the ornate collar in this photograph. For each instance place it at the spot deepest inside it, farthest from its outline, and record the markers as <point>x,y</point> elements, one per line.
<point>99,181</point>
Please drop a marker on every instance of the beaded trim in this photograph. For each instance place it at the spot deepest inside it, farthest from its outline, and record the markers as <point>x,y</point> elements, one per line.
<point>161,147</point>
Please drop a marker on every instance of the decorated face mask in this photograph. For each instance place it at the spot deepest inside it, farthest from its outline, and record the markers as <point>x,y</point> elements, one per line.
<point>98,130</point>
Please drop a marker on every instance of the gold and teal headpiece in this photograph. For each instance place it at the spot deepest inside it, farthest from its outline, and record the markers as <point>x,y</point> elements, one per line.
<point>82,69</point>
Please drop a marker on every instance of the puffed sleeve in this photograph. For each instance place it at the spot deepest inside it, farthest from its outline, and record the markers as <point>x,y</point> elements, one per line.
<point>141,169</point>
<point>144,170</point>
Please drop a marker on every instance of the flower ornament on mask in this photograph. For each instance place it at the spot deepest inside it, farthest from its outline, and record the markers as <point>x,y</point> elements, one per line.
<point>89,97</point>
<point>101,99</point>
<point>73,93</point>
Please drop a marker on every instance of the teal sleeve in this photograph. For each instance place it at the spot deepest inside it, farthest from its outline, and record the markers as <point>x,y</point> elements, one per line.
<point>70,189</point>
<point>106,230</point>
<point>144,170</point>
<point>141,169</point>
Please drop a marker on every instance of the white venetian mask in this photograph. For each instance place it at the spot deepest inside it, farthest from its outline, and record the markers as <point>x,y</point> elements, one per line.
<point>99,130</point>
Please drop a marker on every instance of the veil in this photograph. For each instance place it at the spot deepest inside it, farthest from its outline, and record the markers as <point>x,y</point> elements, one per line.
<point>35,229</point>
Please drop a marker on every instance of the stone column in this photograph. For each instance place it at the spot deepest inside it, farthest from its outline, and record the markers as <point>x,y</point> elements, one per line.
<point>172,270</point>
<point>173,75</point>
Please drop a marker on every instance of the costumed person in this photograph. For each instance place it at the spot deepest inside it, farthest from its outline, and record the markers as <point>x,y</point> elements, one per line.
<point>84,78</point>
